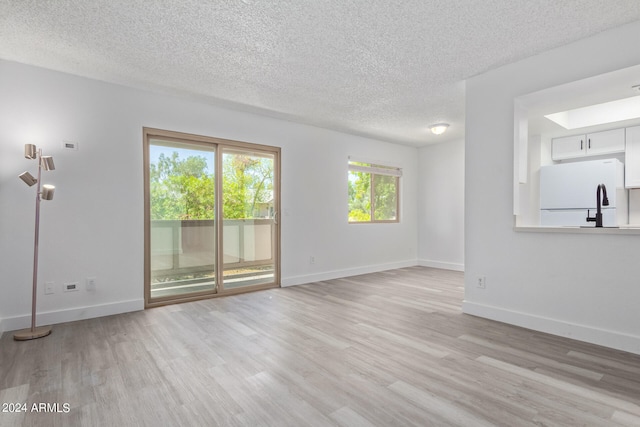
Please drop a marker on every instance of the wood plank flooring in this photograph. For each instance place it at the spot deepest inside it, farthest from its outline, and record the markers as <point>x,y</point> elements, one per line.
<point>383,349</point>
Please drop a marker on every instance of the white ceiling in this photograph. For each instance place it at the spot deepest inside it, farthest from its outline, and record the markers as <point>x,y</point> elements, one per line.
<point>383,69</point>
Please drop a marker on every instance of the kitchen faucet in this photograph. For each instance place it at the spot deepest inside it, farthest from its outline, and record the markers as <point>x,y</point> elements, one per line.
<point>605,202</point>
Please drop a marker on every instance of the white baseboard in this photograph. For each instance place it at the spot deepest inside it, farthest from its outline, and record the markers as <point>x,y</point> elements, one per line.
<point>441,264</point>
<point>72,314</point>
<point>606,338</point>
<point>338,274</point>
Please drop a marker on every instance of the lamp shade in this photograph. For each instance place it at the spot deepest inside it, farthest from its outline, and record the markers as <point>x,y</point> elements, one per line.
<point>47,163</point>
<point>29,151</point>
<point>47,192</point>
<point>28,178</point>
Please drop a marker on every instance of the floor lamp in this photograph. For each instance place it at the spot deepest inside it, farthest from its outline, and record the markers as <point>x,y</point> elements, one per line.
<point>44,192</point>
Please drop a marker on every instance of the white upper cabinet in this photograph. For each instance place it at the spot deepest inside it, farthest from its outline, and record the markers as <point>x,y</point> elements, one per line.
<point>606,142</point>
<point>632,158</point>
<point>592,144</point>
<point>568,147</point>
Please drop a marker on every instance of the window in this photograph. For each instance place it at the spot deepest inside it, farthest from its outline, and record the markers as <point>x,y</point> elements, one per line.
<point>373,192</point>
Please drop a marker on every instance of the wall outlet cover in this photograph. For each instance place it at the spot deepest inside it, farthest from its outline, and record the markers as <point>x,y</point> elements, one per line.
<point>49,288</point>
<point>482,282</point>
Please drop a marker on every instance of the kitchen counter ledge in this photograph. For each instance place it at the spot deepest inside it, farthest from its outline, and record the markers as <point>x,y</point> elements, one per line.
<point>624,229</point>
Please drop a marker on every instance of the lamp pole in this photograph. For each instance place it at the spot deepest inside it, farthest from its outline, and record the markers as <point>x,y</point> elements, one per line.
<point>43,331</point>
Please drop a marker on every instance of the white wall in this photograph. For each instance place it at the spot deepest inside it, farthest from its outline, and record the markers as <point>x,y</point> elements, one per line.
<point>583,286</point>
<point>94,226</point>
<point>441,205</point>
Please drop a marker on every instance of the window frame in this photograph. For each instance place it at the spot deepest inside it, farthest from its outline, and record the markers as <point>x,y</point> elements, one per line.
<point>375,169</point>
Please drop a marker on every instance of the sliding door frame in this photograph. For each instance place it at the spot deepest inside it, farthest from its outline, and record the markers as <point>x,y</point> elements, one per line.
<point>219,144</point>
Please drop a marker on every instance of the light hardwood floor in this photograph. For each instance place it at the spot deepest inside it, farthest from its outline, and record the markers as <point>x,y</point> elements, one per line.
<point>383,349</point>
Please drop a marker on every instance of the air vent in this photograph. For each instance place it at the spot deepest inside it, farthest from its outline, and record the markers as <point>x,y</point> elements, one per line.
<point>70,145</point>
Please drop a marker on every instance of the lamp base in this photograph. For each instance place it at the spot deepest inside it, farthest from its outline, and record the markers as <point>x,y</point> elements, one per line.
<point>32,334</point>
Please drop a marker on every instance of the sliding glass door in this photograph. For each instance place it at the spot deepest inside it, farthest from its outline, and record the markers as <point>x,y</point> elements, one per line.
<point>182,232</point>
<point>190,181</point>
<point>249,222</point>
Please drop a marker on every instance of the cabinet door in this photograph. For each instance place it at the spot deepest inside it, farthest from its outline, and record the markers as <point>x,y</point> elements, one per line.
<point>632,158</point>
<point>568,147</point>
<point>606,142</point>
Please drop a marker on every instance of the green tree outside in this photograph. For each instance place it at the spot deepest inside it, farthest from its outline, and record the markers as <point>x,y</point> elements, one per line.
<point>385,196</point>
<point>359,196</point>
<point>247,186</point>
<point>182,189</point>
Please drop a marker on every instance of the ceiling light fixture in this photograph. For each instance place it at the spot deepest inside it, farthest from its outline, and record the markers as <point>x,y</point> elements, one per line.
<point>439,128</point>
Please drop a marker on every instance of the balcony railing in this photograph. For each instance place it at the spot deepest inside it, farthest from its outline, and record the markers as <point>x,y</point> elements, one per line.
<point>186,248</point>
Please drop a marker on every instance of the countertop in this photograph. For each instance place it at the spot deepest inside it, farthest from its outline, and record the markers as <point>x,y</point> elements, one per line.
<point>623,229</point>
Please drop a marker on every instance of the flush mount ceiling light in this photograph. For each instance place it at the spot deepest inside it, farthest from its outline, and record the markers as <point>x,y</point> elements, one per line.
<point>439,128</point>
<point>598,114</point>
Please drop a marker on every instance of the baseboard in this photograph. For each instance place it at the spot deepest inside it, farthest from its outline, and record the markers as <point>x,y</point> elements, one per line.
<point>338,274</point>
<point>603,337</point>
<point>72,314</point>
<point>441,264</point>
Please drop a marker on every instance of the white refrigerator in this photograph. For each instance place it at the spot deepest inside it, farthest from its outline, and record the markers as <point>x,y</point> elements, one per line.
<point>568,192</point>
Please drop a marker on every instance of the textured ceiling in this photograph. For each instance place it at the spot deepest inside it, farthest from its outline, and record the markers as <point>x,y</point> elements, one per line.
<point>384,69</point>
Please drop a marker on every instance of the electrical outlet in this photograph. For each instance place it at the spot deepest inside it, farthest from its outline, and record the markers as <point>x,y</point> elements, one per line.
<point>49,288</point>
<point>90,283</point>
<point>71,286</point>
<point>312,259</point>
<point>482,282</point>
